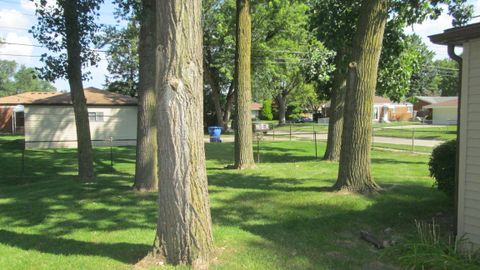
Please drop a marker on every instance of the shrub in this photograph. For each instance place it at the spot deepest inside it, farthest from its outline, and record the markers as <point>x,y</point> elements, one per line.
<point>442,166</point>
<point>266,112</point>
<point>429,250</point>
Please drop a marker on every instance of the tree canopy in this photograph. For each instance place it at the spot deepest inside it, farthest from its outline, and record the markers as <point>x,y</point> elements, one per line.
<point>19,78</point>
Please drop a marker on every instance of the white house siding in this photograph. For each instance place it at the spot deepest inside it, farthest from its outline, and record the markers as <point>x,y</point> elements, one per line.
<point>54,126</point>
<point>469,177</point>
<point>444,116</point>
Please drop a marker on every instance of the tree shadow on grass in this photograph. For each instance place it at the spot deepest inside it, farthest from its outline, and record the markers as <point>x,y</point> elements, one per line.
<point>322,233</point>
<point>258,182</point>
<point>123,252</point>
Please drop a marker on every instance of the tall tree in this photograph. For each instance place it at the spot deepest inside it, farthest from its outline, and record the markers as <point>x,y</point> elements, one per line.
<point>184,234</point>
<point>72,21</point>
<point>123,56</point>
<point>146,177</point>
<point>354,169</point>
<point>15,79</point>
<point>334,22</point>
<point>243,86</point>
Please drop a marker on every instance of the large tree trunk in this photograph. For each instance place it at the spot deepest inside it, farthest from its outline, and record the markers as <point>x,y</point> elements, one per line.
<point>212,80</point>
<point>354,169</point>
<point>243,88</point>
<point>282,109</point>
<point>146,178</point>
<point>184,234</point>
<point>227,112</point>
<point>74,71</point>
<point>335,123</point>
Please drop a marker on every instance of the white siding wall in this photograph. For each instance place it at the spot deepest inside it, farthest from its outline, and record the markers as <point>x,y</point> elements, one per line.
<point>57,124</point>
<point>469,182</point>
<point>444,116</point>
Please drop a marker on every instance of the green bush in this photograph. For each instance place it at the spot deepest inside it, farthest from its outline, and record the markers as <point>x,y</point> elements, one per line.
<point>442,166</point>
<point>266,112</point>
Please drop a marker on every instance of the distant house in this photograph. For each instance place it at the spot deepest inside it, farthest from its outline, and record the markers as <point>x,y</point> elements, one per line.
<point>49,119</point>
<point>256,108</point>
<point>468,37</point>
<point>420,106</point>
<point>444,113</point>
<point>11,120</point>
<point>384,110</point>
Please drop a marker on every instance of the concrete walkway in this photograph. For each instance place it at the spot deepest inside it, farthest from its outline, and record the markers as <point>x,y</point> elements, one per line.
<point>323,137</point>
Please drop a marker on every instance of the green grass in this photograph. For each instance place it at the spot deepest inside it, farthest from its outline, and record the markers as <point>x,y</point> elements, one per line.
<point>301,127</point>
<point>281,215</point>
<point>437,133</point>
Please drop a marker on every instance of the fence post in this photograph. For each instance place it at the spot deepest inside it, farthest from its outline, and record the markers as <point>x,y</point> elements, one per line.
<point>290,131</point>
<point>413,139</point>
<point>258,148</point>
<point>315,138</point>
<point>273,130</point>
<point>23,160</point>
<point>111,155</point>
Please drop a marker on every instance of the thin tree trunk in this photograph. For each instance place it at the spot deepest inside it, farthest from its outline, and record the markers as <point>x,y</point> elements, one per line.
<point>74,71</point>
<point>146,177</point>
<point>335,123</point>
<point>243,89</point>
<point>227,112</point>
<point>184,234</point>
<point>282,109</point>
<point>354,170</point>
<point>212,80</point>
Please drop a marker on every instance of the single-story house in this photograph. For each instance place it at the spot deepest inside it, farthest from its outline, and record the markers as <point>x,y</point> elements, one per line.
<point>468,37</point>
<point>420,106</point>
<point>50,123</point>
<point>384,110</point>
<point>256,108</point>
<point>444,113</point>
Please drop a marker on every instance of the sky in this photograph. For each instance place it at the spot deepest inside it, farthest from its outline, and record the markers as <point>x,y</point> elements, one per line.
<point>17,16</point>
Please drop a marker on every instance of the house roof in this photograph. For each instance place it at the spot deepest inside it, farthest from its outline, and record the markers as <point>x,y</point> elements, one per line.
<point>434,100</point>
<point>377,100</point>
<point>256,106</point>
<point>457,35</point>
<point>453,103</point>
<point>94,96</point>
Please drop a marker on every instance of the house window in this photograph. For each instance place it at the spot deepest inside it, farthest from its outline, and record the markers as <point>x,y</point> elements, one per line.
<point>95,116</point>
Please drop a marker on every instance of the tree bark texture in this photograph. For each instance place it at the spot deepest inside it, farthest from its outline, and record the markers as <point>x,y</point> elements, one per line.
<point>227,112</point>
<point>243,88</point>
<point>74,73</point>
<point>337,101</point>
<point>184,234</point>
<point>282,109</point>
<point>146,177</point>
<point>354,168</point>
<point>212,80</point>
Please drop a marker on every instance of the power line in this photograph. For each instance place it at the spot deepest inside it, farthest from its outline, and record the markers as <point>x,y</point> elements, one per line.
<point>21,44</point>
<point>20,55</point>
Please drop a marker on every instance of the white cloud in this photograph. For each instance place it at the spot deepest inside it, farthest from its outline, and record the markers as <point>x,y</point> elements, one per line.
<point>27,5</point>
<point>13,18</point>
<point>15,49</point>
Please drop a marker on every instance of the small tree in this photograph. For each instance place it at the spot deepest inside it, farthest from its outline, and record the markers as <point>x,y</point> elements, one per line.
<point>70,24</point>
<point>266,112</point>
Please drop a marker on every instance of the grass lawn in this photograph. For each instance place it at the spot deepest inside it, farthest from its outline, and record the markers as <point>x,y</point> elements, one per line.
<point>420,149</point>
<point>278,216</point>
<point>436,133</point>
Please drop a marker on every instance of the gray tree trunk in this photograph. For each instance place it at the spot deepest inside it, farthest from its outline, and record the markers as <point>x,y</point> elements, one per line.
<point>354,169</point>
<point>184,234</point>
<point>146,177</point>
<point>74,71</point>
<point>337,101</point>
<point>282,109</point>
<point>243,88</point>
<point>227,112</point>
<point>212,80</point>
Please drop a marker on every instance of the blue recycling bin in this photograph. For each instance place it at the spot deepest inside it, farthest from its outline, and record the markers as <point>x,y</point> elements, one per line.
<point>215,133</point>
